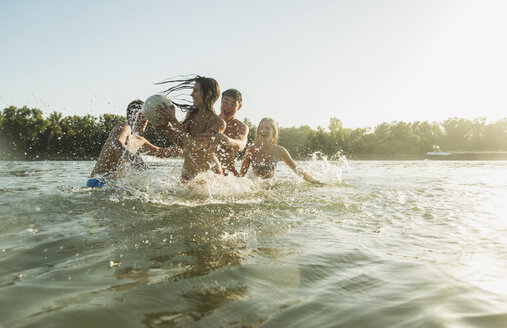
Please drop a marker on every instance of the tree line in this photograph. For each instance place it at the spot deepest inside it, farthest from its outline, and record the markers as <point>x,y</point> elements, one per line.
<point>25,134</point>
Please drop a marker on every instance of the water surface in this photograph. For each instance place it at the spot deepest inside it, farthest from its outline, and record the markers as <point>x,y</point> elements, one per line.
<point>384,244</point>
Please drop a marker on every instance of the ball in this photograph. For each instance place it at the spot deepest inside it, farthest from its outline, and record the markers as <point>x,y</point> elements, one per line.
<point>150,108</point>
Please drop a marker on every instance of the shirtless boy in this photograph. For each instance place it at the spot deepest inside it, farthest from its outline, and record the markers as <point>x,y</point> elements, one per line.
<point>123,145</point>
<point>234,138</point>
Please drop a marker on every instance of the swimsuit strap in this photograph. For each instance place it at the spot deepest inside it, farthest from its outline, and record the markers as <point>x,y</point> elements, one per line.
<point>271,165</point>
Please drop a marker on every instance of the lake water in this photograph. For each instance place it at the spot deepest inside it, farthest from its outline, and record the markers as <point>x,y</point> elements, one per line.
<point>383,244</point>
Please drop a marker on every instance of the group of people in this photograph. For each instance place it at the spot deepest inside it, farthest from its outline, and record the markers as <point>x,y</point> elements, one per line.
<point>206,141</point>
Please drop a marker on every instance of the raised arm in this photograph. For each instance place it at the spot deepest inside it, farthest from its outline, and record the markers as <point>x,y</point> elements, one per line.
<point>122,135</point>
<point>172,128</point>
<point>176,132</point>
<point>153,150</point>
<point>285,156</point>
<point>246,161</point>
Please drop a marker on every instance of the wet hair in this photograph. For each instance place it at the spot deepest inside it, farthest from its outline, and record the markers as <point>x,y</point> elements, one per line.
<point>210,91</point>
<point>274,128</point>
<point>187,82</point>
<point>133,109</point>
<point>233,93</point>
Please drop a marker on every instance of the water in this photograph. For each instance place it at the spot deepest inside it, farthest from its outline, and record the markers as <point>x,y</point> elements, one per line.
<point>384,244</point>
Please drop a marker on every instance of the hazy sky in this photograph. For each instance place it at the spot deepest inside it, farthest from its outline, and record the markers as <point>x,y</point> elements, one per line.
<point>299,62</point>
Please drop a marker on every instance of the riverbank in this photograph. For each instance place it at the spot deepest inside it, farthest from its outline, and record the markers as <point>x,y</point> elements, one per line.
<point>451,155</point>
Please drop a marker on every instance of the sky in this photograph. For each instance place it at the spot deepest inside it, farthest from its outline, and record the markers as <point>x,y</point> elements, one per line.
<point>300,62</point>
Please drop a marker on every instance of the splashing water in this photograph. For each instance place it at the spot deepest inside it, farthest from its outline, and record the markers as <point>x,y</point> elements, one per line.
<point>409,243</point>
<point>325,171</point>
<point>162,184</point>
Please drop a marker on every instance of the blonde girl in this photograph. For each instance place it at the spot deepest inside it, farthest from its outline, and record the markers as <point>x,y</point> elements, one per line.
<point>265,153</point>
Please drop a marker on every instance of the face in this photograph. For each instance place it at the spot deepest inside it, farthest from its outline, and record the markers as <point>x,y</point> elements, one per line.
<point>197,95</point>
<point>141,122</point>
<point>265,131</point>
<point>228,108</point>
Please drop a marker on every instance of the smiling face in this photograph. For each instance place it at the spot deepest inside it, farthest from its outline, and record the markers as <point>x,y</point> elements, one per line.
<point>228,108</point>
<point>267,132</point>
<point>197,95</point>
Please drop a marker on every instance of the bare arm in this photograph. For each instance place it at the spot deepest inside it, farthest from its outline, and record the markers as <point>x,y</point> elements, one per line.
<point>121,147</point>
<point>172,128</point>
<point>176,132</point>
<point>246,161</point>
<point>237,143</point>
<point>153,150</point>
<point>284,154</point>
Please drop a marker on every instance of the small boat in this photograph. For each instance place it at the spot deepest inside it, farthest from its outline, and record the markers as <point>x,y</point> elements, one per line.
<point>467,156</point>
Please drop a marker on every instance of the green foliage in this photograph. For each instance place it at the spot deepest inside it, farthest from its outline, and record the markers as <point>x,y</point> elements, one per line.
<point>495,136</point>
<point>26,134</point>
<point>21,132</point>
<point>296,140</point>
<point>252,130</point>
<point>391,140</point>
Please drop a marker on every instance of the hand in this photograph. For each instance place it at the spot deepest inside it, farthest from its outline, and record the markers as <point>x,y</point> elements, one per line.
<point>176,151</point>
<point>317,182</point>
<point>200,143</point>
<point>311,179</point>
<point>215,139</point>
<point>307,176</point>
<point>172,152</point>
<point>166,113</point>
<point>139,163</point>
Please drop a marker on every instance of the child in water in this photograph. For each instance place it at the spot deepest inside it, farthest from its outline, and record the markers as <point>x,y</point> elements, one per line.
<point>264,154</point>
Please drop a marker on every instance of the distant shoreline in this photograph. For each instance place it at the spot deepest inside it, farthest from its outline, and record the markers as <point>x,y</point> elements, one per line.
<point>453,156</point>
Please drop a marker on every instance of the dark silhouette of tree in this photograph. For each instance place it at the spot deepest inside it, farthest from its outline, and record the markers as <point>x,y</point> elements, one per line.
<point>26,135</point>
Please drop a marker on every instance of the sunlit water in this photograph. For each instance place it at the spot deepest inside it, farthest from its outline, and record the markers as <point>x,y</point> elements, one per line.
<point>383,244</point>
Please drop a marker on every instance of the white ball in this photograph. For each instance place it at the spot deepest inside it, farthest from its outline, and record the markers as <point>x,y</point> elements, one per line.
<point>150,108</point>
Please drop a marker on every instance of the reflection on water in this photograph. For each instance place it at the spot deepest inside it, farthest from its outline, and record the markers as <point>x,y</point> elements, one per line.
<point>396,244</point>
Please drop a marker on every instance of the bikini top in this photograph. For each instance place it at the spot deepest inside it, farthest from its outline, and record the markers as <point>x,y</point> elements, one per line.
<point>263,165</point>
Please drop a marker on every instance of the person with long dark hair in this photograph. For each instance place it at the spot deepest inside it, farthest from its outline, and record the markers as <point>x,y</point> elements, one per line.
<point>201,120</point>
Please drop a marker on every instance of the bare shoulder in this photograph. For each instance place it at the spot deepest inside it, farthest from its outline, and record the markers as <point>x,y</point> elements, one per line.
<point>282,152</point>
<point>280,149</point>
<point>236,129</point>
<point>241,127</point>
<point>239,123</point>
<point>217,122</point>
<point>119,129</point>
